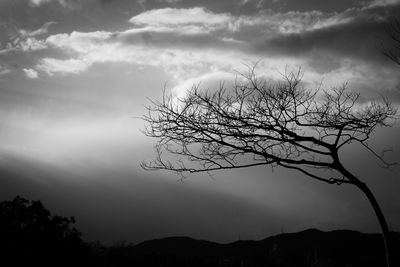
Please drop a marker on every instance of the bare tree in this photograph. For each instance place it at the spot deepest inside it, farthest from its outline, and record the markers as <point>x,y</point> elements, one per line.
<point>259,123</point>
<point>391,49</point>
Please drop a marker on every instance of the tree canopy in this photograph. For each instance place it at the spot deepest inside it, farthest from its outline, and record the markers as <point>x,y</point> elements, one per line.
<point>29,234</point>
<point>279,124</point>
<point>262,123</point>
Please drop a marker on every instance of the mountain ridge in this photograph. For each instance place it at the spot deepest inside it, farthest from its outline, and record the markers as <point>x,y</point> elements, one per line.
<point>311,247</point>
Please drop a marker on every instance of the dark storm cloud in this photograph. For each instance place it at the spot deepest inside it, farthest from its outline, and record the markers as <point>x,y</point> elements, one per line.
<point>355,33</point>
<point>359,38</point>
<point>252,7</point>
<point>326,6</point>
<point>322,40</point>
<point>178,40</point>
<point>85,15</point>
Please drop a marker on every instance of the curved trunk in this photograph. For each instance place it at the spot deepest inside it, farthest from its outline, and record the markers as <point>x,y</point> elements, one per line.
<point>382,222</point>
<point>378,212</point>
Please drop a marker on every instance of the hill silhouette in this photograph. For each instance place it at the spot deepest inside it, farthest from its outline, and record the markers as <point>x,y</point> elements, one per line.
<point>340,248</point>
<point>30,235</point>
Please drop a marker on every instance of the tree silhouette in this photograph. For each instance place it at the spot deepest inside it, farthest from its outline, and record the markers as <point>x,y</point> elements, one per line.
<point>260,123</point>
<point>29,235</point>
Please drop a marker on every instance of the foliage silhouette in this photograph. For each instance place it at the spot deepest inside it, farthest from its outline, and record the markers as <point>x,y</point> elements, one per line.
<point>30,235</point>
<point>261,123</point>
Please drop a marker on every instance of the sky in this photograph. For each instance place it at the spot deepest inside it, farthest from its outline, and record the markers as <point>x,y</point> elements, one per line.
<point>75,75</point>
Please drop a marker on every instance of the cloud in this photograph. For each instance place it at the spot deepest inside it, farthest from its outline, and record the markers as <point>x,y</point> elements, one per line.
<point>384,3</point>
<point>24,44</point>
<point>4,70</point>
<point>191,43</point>
<point>70,4</point>
<point>27,40</point>
<point>208,80</point>
<point>31,74</point>
<point>79,42</point>
<point>180,38</point>
<point>30,44</point>
<point>84,50</point>
<point>36,3</point>
<point>53,65</point>
<point>253,30</point>
<point>41,31</point>
<point>179,50</point>
<point>169,1</point>
<point>243,2</point>
<point>39,2</point>
<point>357,35</point>
<point>268,23</point>
<point>256,3</point>
<point>181,16</point>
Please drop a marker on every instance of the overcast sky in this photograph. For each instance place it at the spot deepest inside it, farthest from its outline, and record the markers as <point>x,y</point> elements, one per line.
<point>74,74</point>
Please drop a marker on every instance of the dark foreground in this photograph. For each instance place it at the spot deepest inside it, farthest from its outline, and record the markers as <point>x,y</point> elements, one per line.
<point>307,248</point>
<point>31,236</point>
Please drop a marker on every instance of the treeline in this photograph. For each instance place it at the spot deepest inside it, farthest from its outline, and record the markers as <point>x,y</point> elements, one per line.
<point>31,236</point>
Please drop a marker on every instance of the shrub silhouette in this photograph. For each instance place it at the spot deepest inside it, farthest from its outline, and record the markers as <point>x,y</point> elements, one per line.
<point>30,235</point>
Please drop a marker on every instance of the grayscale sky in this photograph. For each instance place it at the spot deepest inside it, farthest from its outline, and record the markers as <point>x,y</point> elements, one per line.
<point>74,74</point>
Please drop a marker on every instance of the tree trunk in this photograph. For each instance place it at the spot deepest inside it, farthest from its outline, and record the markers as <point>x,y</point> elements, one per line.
<point>378,212</point>
<point>382,222</point>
